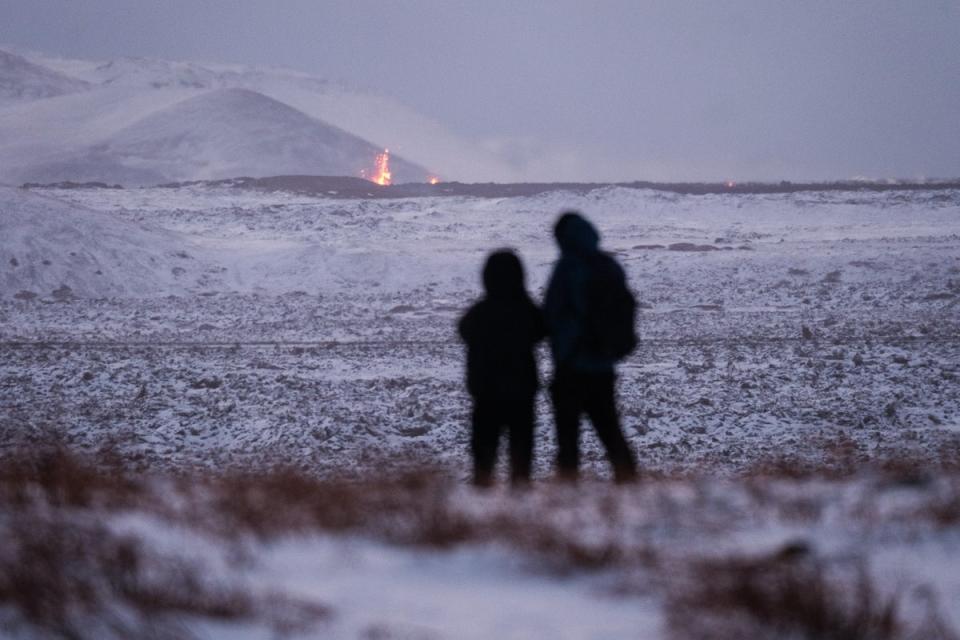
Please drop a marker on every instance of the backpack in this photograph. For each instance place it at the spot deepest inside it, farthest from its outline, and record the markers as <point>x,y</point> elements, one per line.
<point>611,309</point>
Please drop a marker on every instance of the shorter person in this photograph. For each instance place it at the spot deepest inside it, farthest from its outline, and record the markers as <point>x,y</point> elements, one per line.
<point>501,331</point>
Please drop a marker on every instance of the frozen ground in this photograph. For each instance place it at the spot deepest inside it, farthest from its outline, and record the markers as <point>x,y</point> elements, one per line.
<point>199,326</point>
<point>219,328</point>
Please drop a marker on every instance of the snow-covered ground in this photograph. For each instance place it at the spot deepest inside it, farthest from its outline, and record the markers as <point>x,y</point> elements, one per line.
<point>636,552</point>
<point>761,557</point>
<point>221,328</point>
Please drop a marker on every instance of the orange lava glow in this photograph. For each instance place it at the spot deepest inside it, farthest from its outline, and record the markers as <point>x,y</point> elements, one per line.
<point>433,180</point>
<point>381,168</point>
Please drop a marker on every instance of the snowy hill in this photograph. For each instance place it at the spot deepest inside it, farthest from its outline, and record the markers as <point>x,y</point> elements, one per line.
<point>54,250</point>
<point>372,116</point>
<point>218,134</point>
<point>380,119</point>
<point>49,130</point>
<point>22,80</point>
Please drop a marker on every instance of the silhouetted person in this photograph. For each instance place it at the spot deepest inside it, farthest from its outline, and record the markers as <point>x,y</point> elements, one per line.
<point>589,313</point>
<point>501,331</point>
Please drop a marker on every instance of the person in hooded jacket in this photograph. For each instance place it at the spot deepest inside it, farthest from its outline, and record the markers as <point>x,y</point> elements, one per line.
<point>501,331</point>
<point>584,378</point>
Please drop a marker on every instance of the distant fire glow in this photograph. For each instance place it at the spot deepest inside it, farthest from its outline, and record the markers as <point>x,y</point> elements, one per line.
<point>381,169</point>
<point>433,180</point>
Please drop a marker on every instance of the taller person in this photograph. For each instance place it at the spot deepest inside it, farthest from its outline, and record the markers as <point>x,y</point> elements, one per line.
<point>589,313</point>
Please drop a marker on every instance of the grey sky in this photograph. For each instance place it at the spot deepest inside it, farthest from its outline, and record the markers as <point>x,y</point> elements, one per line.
<point>759,89</point>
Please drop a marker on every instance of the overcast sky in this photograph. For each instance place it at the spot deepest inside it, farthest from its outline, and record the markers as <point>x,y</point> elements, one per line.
<point>610,90</point>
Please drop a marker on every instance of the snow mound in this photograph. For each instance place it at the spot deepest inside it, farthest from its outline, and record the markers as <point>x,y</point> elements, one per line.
<point>53,250</point>
<point>22,80</point>
<point>219,134</point>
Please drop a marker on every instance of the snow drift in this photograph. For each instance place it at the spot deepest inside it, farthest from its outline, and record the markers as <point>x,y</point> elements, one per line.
<point>54,250</point>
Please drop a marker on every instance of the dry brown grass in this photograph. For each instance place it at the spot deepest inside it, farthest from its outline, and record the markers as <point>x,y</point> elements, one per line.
<point>942,508</point>
<point>60,478</point>
<point>410,508</point>
<point>841,458</point>
<point>65,566</point>
<point>65,572</point>
<point>406,507</point>
<point>792,594</point>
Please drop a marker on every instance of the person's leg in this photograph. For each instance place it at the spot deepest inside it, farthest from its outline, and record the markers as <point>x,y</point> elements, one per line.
<point>521,424</point>
<point>601,407</point>
<point>483,442</point>
<point>567,395</point>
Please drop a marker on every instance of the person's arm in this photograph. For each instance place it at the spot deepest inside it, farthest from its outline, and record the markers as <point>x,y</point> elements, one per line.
<point>563,312</point>
<point>467,327</point>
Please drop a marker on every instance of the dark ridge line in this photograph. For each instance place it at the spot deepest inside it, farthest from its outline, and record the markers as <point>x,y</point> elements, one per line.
<point>346,187</point>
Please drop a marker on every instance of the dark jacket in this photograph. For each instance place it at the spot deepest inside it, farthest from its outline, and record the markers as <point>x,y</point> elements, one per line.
<point>501,331</point>
<point>567,299</point>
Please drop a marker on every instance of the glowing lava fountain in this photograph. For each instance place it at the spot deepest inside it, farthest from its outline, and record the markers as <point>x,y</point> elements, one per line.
<point>381,168</point>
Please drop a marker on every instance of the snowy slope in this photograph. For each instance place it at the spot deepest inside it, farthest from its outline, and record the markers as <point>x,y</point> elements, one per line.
<point>218,134</point>
<point>54,250</point>
<point>395,125</point>
<point>378,118</point>
<point>41,130</point>
<point>23,81</point>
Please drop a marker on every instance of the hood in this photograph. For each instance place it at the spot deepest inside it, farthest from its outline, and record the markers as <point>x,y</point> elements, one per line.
<point>576,235</point>
<point>503,275</point>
